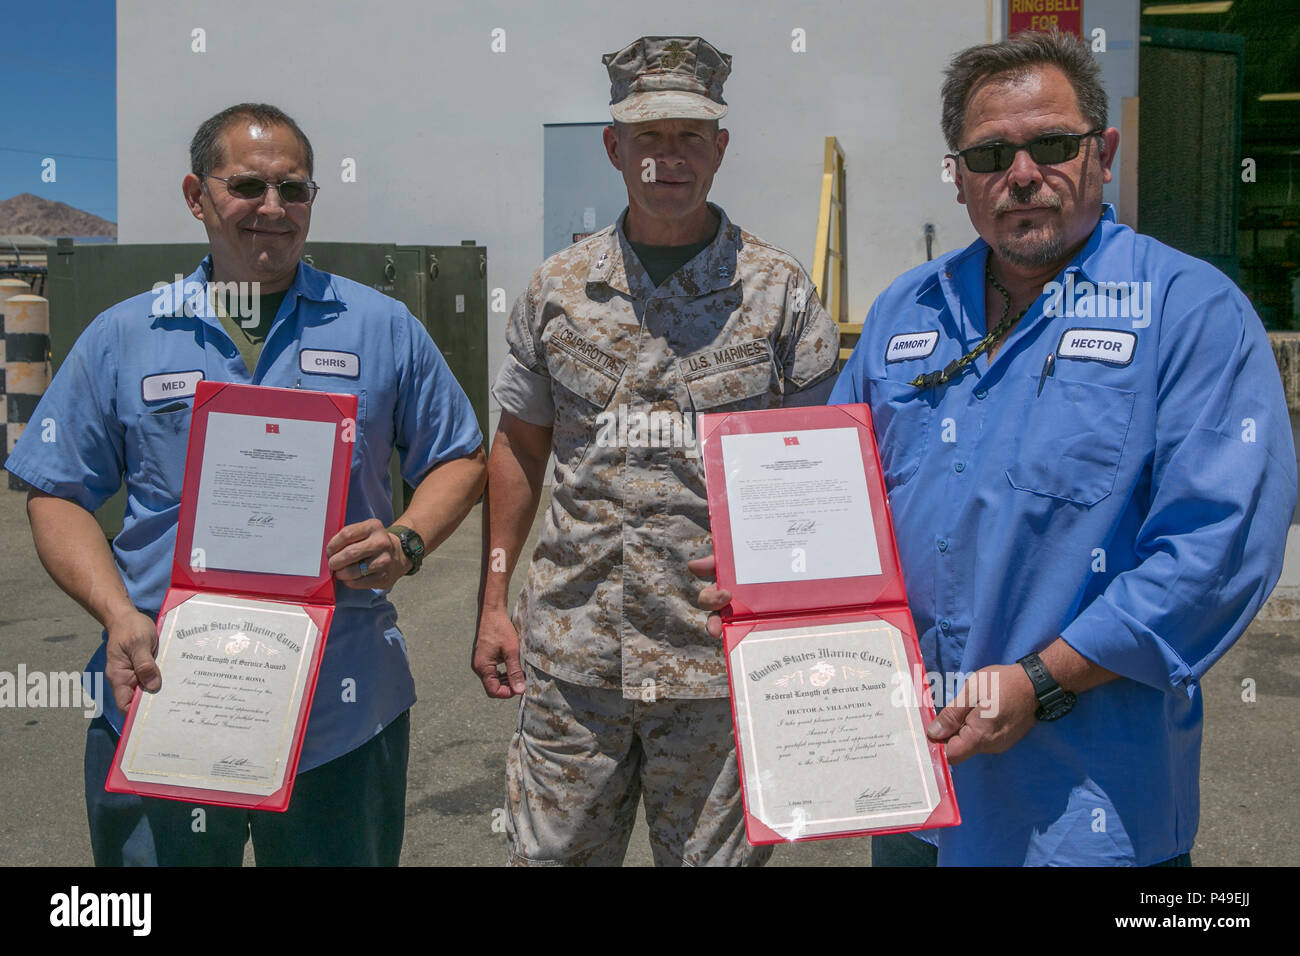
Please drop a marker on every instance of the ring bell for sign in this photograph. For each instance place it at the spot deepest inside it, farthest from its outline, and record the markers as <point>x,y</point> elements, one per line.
<point>828,698</point>
<point>1044,16</point>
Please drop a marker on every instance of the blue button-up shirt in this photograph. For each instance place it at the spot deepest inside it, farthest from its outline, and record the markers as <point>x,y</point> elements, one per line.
<point>1121,475</point>
<point>110,422</point>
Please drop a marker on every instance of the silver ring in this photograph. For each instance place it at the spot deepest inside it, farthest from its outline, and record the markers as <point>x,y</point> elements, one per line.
<point>361,566</point>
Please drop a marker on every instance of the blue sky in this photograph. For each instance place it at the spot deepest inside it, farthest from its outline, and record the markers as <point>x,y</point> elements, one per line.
<point>59,74</point>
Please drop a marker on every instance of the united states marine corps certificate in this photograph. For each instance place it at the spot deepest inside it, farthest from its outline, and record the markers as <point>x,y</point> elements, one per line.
<point>235,676</point>
<point>832,740</point>
<point>828,691</point>
<point>244,624</point>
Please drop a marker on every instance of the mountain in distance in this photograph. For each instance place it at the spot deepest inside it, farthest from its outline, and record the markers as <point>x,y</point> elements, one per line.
<point>29,215</point>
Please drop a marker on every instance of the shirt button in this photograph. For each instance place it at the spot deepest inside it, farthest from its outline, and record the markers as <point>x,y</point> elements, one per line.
<point>959,467</point>
<point>945,626</point>
<point>981,394</point>
<point>943,544</point>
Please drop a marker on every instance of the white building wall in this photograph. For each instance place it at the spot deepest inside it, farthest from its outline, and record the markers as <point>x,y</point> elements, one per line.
<point>447,134</point>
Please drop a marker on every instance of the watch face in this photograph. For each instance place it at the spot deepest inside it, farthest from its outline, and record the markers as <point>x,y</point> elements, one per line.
<point>411,544</point>
<point>1058,709</point>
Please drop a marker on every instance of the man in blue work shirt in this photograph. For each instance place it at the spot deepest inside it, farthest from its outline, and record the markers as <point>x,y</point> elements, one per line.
<point>1091,474</point>
<point>1103,494</point>
<point>251,187</point>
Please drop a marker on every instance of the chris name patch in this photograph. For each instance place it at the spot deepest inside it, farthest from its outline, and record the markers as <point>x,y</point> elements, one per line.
<point>321,362</point>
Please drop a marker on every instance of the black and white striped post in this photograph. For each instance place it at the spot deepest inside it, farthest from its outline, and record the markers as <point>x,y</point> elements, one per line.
<point>26,364</point>
<point>8,289</point>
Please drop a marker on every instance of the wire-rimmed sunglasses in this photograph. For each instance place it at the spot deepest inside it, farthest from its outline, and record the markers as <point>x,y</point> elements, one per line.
<point>1047,150</point>
<point>250,187</point>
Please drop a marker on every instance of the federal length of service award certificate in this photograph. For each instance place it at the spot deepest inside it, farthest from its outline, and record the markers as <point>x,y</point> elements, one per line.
<point>235,673</point>
<point>243,626</point>
<point>828,689</point>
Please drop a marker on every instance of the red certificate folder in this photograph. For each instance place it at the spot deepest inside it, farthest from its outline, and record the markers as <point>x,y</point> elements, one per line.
<point>306,595</point>
<point>846,598</point>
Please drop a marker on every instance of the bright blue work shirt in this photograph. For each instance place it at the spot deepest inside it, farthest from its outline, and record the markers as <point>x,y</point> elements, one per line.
<point>1138,507</point>
<point>112,420</point>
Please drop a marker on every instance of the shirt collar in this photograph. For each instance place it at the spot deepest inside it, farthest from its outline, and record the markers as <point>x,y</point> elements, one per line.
<point>1086,261</point>
<point>615,264</point>
<point>171,301</point>
<point>1090,260</point>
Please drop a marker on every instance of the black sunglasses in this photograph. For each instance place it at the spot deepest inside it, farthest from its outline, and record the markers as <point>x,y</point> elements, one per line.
<point>1045,150</point>
<point>250,187</point>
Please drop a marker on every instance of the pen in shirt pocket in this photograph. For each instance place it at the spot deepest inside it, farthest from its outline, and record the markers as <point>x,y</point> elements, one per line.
<point>1049,369</point>
<point>173,407</point>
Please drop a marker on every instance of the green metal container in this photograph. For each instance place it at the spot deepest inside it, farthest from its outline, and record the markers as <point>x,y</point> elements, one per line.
<point>445,287</point>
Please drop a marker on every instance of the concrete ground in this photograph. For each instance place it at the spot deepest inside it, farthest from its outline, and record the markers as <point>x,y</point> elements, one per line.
<point>1249,771</point>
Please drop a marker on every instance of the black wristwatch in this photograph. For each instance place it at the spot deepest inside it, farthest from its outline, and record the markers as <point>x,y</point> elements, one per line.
<point>412,545</point>
<point>1054,702</point>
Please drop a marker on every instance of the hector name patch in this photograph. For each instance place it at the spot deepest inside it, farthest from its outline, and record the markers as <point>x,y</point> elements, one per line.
<point>1098,345</point>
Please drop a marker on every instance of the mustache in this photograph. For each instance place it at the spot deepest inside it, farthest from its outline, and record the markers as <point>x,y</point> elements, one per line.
<point>1033,200</point>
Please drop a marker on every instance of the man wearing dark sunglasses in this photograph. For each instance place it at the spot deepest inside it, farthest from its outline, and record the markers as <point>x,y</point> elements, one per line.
<point>121,404</point>
<point>1090,490</point>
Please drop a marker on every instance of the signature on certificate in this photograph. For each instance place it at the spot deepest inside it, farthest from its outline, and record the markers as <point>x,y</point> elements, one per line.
<point>866,797</point>
<point>802,527</point>
<point>261,520</point>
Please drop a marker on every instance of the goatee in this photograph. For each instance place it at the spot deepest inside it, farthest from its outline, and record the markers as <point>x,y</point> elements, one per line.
<point>1032,254</point>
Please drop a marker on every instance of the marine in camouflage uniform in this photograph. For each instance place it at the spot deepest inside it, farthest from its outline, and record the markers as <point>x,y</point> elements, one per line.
<point>625,691</point>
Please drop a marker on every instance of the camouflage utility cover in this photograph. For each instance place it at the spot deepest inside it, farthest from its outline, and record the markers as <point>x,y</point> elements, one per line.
<point>654,78</point>
<point>619,369</point>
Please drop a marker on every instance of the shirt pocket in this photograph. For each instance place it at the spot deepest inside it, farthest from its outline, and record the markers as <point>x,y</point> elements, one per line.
<point>365,444</point>
<point>901,419</point>
<point>160,441</point>
<point>364,440</point>
<point>1072,439</point>
<point>580,392</point>
<point>734,387</point>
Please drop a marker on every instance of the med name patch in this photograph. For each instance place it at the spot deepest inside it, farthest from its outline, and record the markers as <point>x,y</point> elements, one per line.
<point>158,388</point>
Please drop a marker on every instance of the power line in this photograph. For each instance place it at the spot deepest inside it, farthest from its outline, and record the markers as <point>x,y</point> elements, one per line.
<point>54,66</point>
<point>57,154</point>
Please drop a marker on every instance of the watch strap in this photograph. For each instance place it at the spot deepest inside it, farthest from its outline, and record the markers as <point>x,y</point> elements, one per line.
<point>1054,701</point>
<point>412,545</point>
